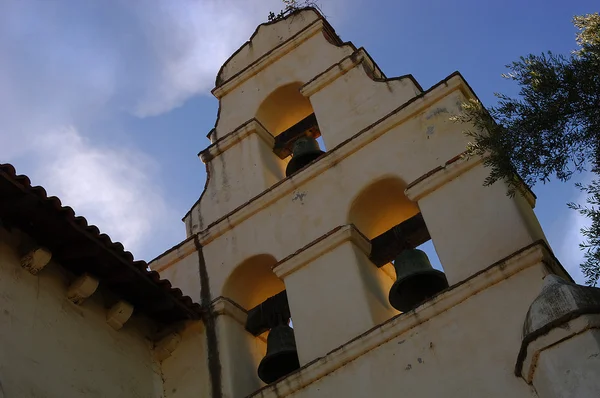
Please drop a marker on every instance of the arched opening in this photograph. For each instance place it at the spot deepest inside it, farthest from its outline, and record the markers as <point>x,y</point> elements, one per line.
<point>289,117</point>
<point>253,281</point>
<point>380,206</point>
<point>398,233</point>
<point>283,108</point>
<point>254,286</point>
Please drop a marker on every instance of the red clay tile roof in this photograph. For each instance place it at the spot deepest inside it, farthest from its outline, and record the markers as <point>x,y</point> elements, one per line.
<point>80,247</point>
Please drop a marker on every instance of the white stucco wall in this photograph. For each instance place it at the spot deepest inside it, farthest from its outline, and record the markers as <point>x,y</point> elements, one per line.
<point>336,296</point>
<point>310,204</point>
<point>240,354</point>
<point>570,368</point>
<point>255,167</point>
<point>237,174</point>
<point>360,100</point>
<point>52,348</point>
<point>185,372</point>
<point>301,210</point>
<point>463,343</point>
<point>406,136</point>
<point>464,352</point>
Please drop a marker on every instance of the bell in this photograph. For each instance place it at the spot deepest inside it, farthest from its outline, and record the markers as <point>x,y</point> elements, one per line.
<point>282,357</point>
<point>416,280</point>
<point>305,150</point>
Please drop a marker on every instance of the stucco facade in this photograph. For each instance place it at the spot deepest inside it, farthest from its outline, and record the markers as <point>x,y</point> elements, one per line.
<point>54,348</point>
<point>316,245</point>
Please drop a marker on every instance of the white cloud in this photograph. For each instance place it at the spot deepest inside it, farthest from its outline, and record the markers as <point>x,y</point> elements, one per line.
<point>112,187</point>
<point>146,58</point>
<point>191,40</point>
<point>68,67</point>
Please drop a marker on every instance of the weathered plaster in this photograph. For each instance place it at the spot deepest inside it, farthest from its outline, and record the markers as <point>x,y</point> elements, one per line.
<point>392,153</point>
<point>453,339</point>
<point>51,347</point>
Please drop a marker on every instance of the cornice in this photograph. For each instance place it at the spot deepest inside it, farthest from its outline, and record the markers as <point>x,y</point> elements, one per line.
<point>252,126</point>
<point>320,246</point>
<point>173,255</point>
<point>330,75</point>
<point>452,169</point>
<point>226,306</point>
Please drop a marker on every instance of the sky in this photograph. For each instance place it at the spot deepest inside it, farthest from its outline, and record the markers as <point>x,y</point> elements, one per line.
<point>106,103</point>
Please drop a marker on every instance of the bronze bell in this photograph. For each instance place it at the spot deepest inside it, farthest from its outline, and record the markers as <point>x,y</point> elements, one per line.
<point>305,150</point>
<point>282,356</point>
<point>416,280</point>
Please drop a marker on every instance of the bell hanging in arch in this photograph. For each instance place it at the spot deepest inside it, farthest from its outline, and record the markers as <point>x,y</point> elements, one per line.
<point>305,150</point>
<point>416,280</point>
<point>282,356</point>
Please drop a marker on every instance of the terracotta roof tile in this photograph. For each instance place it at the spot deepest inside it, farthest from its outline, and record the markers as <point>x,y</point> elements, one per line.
<point>80,247</point>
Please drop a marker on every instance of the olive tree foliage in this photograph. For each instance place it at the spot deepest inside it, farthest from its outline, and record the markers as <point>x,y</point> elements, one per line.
<point>550,130</point>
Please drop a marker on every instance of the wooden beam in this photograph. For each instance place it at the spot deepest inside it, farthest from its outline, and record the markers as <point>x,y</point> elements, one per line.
<point>268,314</point>
<point>406,235</point>
<point>284,141</point>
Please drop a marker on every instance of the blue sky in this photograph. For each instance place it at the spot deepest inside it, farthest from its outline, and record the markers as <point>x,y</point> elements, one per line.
<point>107,103</point>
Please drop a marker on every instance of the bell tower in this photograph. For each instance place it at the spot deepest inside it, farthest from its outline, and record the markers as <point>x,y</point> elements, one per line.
<point>328,236</point>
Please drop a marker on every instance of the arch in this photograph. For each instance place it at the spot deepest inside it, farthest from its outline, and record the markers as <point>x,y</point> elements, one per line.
<point>253,281</point>
<point>283,108</point>
<point>380,206</point>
